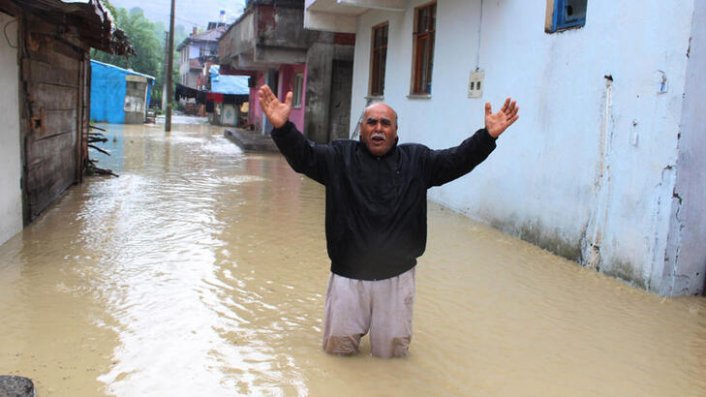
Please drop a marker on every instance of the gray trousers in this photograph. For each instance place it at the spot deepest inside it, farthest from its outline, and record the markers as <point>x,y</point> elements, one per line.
<point>383,308</point>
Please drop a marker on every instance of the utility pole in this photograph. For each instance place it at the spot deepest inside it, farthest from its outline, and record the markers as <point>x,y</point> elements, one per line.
<point>164,70</point>
<point>170,66</point>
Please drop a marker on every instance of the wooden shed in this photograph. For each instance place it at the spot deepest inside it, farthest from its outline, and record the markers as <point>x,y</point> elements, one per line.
<point>53,39</point>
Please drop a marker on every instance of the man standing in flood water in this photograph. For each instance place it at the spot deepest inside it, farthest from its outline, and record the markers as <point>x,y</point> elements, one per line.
<point>376,216</point>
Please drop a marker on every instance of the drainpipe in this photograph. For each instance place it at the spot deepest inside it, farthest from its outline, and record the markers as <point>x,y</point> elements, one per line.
<point>602,183</point>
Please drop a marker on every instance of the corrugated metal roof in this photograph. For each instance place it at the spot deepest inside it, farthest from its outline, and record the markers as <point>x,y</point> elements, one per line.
<point>90,18</point>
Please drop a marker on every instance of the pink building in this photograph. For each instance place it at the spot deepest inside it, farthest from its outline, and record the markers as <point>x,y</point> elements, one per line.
<point>269,43</point>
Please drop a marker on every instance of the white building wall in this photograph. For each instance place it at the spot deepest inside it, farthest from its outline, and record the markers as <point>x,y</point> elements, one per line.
<point>589,169</point>
<point>11,170</point>
<point>683,270</point>
<point>194,50</point>
<point>188,77</point>
<point>183,64</point>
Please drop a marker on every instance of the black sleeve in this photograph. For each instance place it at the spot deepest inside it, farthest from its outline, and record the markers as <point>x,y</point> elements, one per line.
<point>303,155</point>
<point>449,164</point>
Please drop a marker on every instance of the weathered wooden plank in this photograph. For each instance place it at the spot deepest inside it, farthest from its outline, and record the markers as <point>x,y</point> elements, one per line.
<point>10,8</point>
<point>51,96</point>
<point>51,171</point>
<point>43,45</point>
<point>41,149</point>
<point>51,71</point>
<point>39,72</point>
<point>46,123</point>
<point>84,117</point>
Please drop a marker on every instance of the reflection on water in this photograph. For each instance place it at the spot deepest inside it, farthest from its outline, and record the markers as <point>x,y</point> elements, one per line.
<point>200,271</point>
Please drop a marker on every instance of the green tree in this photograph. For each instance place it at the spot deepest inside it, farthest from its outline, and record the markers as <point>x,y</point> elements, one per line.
<point>147,39</point>
<point>161,30</point>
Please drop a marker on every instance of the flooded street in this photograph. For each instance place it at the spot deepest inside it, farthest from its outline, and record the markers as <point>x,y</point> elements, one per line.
<point>201,271</point>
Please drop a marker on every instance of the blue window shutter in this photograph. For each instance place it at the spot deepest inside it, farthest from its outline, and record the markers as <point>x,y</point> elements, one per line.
<point>562,19</point>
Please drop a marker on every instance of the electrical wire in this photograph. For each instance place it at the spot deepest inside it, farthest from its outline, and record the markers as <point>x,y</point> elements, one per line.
<point>4,31</point>
<point>480,30</point>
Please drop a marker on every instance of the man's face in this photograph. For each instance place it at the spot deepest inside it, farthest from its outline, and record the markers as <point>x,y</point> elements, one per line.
<point>378,129</point>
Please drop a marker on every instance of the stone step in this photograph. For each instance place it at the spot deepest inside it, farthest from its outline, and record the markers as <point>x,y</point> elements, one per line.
<point>16,386</point>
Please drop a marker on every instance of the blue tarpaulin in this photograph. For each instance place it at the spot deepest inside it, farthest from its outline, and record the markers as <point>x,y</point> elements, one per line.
<point>108,89</point>
<point>228,84</point>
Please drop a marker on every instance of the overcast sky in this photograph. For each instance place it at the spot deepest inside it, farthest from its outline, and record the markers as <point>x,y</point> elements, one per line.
<point>189,13</point>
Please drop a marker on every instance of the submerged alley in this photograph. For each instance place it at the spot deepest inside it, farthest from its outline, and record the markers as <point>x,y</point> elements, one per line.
<point>201,270</point>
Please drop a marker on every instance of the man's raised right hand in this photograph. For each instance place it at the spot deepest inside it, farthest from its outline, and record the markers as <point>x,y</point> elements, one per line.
<point>277,112</point>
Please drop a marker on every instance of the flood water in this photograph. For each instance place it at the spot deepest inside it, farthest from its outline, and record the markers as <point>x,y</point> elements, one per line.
<point>200,271</point>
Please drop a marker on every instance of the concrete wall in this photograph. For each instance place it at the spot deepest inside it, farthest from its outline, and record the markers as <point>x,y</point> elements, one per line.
<point>255,115</point>
<point>11,170</point>
<point>590,169</point>
<point>323,107</point>
<point>193,79</point>
<point>683,270</point>
<point>286,80</point>
<point>187,76</point>
<point>340,103</point>
<point>135,105</point>
<point>183,64</point>
<point>319,65</point>
<point>194,51</point>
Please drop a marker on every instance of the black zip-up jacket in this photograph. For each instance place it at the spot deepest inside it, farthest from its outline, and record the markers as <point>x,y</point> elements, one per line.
<point>376,207</point>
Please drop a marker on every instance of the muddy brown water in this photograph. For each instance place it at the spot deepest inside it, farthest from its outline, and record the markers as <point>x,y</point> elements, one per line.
<point>200,271</point>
